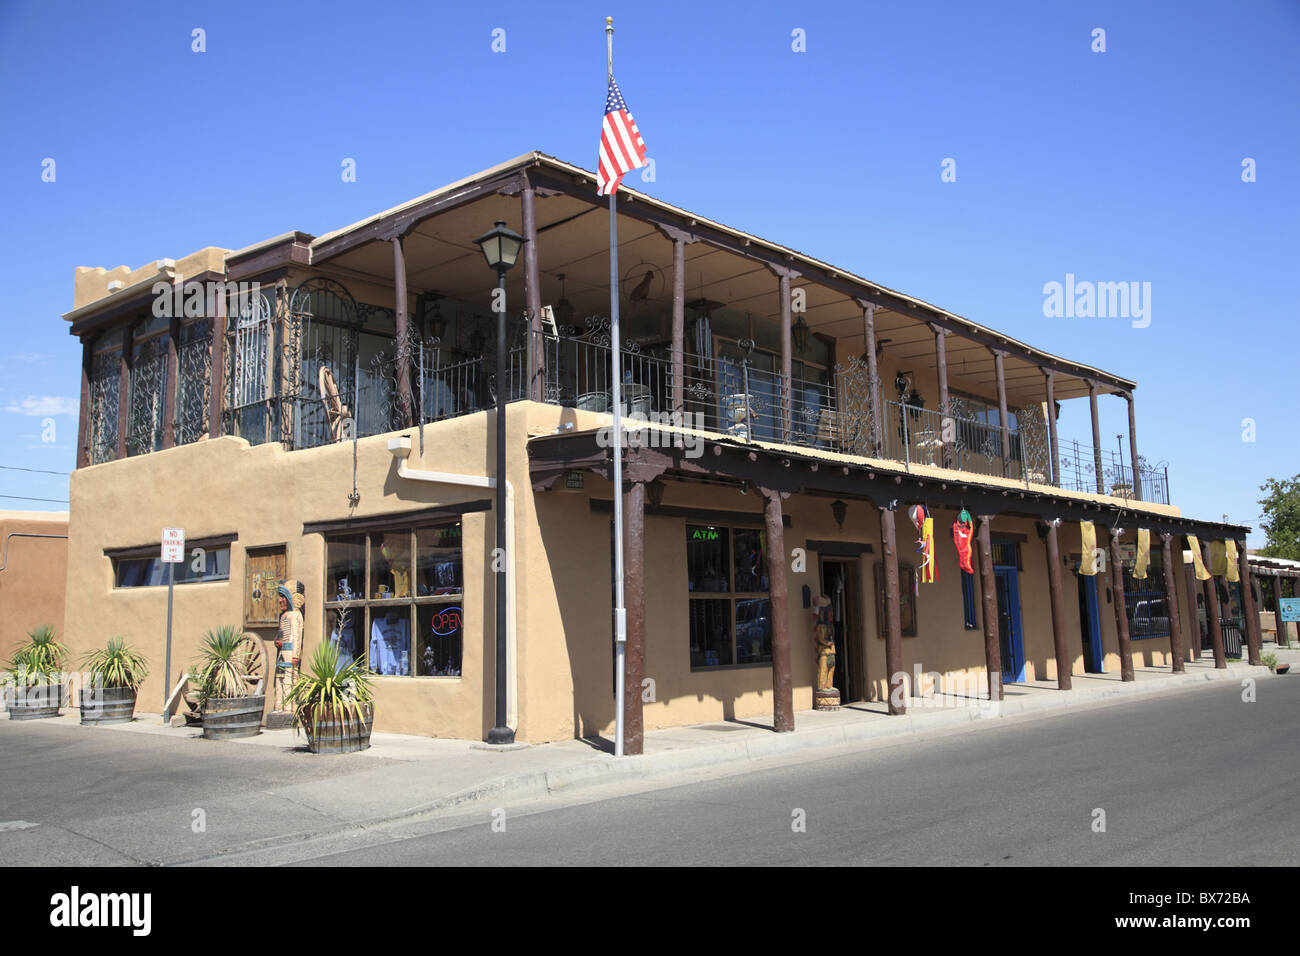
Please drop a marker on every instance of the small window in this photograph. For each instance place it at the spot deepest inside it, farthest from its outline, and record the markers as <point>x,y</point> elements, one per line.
<point>906,599</point>
<point>202,564</point>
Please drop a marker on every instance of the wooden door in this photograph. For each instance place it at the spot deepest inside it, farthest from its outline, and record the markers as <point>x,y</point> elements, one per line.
<point>264,569</point>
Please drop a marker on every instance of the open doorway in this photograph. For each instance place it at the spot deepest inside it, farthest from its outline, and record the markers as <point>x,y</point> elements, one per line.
<point>841,582</point>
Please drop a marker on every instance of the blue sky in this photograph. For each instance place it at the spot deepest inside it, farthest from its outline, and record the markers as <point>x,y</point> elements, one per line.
<point>1117,166</point>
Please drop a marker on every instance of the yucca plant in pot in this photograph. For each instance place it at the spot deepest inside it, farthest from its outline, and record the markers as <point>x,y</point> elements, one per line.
<point>229,669</point>
<point>113,675</point>
<point>333,702</point>
<point>36,676</point>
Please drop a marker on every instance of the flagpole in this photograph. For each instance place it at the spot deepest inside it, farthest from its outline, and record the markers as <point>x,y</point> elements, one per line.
<point>616,394</point>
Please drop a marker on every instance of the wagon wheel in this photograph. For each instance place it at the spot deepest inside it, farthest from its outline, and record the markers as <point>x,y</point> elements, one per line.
<point>251,656</point>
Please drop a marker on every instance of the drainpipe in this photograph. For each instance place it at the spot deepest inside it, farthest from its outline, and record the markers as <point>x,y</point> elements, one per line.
<point>25,534</point>
<point>400,448</point>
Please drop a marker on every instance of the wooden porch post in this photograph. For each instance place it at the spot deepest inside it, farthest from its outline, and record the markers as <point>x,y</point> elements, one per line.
<point>782,681</point>
<point>124,388</point>
<point>1190,588</point>
<point>1249,610</point>
<point>402,354</point>
<point>678,347</point>
<point>1050,377</point>
<point>941,360</point>
<point>1212,613</point>
<point>1096,438</point>
<point>873,377</point>
<point>83,415</point>
<point>998,359</point>
<point>1121,610</point>
<point>893,619</point>
<point>1133,447</point>
<point>533,297</point>
<point>634,602</point>
<point>787,349</point>
<point>173,382</point>
<point>992,633</point>
<point>1171,602</point>
<point>216,388</point>
<point>1063,663</point>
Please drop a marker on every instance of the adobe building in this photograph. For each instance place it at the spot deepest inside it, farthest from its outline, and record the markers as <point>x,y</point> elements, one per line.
<point>33,569</point>
<point>319,408</point>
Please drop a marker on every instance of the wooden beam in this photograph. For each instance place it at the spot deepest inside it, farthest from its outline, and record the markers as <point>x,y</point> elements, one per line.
<point>782,680</point>
<point>533,294</point>
<point>1121,610</point>
<point>1050,378</point>
<point>1003,425</point>
<point>677,351</point>
<point>1064,664</point>
<point>1096,437</point>
<point>127,359</point>
<point>1249,610</point>
<point>401,335</point>
<point>988,584</point>
<point>893,618</point>
<point>83,414</point>
<point>1212,612</point>
<point>1171,602</point>
<point>216,390</point>
<point>1133,448</point>
<point>172,384</point>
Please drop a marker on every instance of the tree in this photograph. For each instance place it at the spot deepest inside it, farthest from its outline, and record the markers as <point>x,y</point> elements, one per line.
<point>1281,518</point>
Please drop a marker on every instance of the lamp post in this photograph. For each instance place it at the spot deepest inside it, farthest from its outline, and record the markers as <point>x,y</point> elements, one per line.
<point>501,248</point>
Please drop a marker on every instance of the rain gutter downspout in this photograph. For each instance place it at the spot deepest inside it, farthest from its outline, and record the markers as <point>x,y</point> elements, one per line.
<point>400,448</point>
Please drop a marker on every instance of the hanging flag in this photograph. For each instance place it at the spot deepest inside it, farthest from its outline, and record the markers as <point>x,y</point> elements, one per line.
<point>1218,559</point>
<point>927,574</point>
<point>1230,553</point>
<point>1088,544</point>
<point>621,147</point>
<point>1195,546</point>
<point>963,530</point>
<point>1143,554</point>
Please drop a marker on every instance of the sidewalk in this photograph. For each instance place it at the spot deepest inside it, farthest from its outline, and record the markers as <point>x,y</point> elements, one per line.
<point>415,775</point>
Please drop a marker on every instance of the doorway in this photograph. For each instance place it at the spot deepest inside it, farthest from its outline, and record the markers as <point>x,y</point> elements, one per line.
<point>840,582</point>
<point>1090,624</point>
<point>1009,633</point>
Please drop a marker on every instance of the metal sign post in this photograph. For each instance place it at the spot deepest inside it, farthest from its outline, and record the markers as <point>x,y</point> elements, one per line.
<point>173,553</point>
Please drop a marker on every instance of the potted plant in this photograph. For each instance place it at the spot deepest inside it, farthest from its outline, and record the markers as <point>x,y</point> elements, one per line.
<point>114,675</point>
<point>333,702</point>
<point>229,671</point>
<point>36,675</point>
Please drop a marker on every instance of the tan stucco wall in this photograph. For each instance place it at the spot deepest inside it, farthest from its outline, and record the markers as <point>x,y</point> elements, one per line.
<point>32,581</point>
<point>565,685</point>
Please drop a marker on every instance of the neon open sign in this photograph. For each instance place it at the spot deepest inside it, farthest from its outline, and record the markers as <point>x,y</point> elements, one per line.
<point>447,621</point>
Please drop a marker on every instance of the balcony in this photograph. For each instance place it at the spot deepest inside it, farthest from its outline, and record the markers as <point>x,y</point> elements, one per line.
<point>723,394</point>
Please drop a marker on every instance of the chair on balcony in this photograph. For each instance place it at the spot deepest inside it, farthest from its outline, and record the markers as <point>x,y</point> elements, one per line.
<point>335,411</point>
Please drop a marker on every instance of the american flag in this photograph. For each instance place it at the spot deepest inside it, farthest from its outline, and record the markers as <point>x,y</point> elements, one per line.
<point>621,146</point>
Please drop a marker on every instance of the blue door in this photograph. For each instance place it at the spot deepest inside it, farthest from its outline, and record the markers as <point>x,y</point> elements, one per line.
<point>1090,624</point>
<point>1013,648</point>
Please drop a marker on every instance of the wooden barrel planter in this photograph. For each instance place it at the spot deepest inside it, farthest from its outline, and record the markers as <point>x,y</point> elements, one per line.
<point>35,702</point>
<point>107,705</point>
<point>226,718</point>
<point>333,735</point>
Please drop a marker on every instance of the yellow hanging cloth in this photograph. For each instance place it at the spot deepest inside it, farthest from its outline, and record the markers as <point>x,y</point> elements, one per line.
<point>1143,554</point>
<point>1088,543</point>
<point>1201,573</point>
<point>1218,559</point>
<point>1234,572</point>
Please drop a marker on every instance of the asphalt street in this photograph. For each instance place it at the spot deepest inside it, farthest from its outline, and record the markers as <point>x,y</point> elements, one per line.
<point>1193,778</point>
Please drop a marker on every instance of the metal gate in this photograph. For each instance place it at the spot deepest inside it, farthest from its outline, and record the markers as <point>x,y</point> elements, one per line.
<point>320,351</point>
<point>250,411</point>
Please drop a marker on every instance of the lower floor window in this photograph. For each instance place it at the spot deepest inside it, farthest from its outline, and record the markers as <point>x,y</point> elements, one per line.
<point>730,631</point>
<point>396,600</point>
<point>202,564</point>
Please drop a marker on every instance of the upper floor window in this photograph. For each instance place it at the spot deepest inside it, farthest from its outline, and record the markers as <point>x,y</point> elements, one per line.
<point>147,396</point>
<point>105,386</point>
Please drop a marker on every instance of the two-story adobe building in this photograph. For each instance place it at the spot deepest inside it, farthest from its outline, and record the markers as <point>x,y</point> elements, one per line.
<point>317,408</point>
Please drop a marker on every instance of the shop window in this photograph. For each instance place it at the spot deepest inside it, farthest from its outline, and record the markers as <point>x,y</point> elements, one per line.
<point>730,611</point>
<point>906,599</point>
<point>203,564</point>
<point>394,598</point>
<point>1144,599</point>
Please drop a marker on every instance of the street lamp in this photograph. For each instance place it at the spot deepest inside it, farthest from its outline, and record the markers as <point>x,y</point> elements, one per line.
<point>501,249</point>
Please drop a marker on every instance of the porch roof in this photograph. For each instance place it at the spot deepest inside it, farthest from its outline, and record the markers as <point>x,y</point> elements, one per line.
<point>833,291</point>
<point>808,471</point>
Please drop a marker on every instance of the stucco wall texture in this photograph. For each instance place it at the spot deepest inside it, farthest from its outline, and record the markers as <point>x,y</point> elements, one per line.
<point>34,560</point>
<point>264,495</point>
